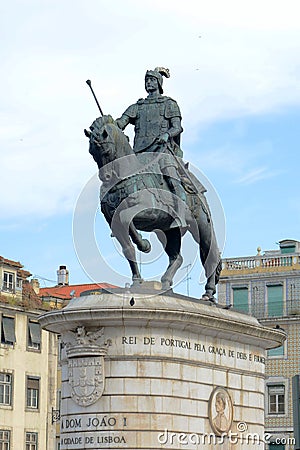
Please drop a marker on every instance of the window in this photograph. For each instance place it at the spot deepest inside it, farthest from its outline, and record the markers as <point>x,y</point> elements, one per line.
<point>279,351</point>
<point>5,389</point>
<point>240,299</point>
<point>8,330</point>
<point>276,399</point>
<point>288,249</point>
<point>31,441</point>
<point>19,283</point>
<point>32,394</point>
<point>8,281</point>
<point>4,440</point>
<point>34,335</point>
<point>275,300</point>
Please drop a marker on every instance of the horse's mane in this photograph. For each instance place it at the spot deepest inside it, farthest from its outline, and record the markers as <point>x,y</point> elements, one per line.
<point>99,123</point>
<point>105,129</point>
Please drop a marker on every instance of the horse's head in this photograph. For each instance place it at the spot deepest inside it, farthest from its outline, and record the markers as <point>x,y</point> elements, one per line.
<point>107,141</point>
<point>102,142</point>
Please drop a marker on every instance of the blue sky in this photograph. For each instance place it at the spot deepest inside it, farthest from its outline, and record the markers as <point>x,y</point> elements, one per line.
<point>235,70</point>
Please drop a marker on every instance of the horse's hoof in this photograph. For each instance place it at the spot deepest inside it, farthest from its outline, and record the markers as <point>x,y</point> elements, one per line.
<point>136,281</point>
<point>145,246</point>
<point>208,298</point>
<point>166,285</point>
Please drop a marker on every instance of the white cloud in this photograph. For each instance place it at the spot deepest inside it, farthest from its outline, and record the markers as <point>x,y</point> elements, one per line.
<point>241,164</point>
<point>257,174</point>
<point>245,62</point>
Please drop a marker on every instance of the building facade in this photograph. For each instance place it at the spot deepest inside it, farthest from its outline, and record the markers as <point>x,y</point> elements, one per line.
<point>28,365</point>
<point>267,286</point>
<point>57,297</point>
<point>30,372</point>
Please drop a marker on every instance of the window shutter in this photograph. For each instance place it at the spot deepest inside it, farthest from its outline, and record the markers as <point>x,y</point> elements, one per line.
<point>33,383</point>
<point>35,332</point>
<point>240,299</point>
<point>275,300</point>
<point>9,329</point>
<point>279,351</point>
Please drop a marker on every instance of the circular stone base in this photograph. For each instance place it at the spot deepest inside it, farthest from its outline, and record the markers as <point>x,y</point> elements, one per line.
<point>170,372</point>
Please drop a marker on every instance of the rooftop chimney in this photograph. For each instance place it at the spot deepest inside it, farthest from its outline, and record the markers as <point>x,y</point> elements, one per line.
<point>62,276</point>
<point>35,285</point>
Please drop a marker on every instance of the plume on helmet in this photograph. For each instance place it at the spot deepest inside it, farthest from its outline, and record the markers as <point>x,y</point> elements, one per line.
<point>163,71</point>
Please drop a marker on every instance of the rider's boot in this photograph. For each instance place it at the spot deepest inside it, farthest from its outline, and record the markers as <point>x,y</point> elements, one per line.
<point>177,189</point>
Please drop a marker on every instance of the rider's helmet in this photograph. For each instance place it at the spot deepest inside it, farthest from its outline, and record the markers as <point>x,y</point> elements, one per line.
<point>158,73</point>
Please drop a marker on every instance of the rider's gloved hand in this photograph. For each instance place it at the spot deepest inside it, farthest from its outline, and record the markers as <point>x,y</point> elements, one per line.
<point>162,139</point>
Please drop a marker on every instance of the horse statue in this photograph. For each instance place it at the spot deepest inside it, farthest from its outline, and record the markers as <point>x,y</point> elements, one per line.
<point>135,195</point>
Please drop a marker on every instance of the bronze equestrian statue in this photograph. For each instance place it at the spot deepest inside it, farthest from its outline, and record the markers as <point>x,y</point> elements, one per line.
<point>149,187</point>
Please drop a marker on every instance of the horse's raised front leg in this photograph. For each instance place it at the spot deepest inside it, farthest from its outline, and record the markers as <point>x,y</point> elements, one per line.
<point>172,248</point>
<point>142,244</point>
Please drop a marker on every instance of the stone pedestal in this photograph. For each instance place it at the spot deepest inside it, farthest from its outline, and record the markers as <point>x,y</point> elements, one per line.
<point>143,371</point>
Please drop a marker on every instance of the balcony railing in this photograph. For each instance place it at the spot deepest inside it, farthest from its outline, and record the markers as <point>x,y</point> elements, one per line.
<point>263,262</point>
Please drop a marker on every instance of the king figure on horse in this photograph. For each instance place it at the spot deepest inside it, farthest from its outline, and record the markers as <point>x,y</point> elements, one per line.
<point>149,187</point>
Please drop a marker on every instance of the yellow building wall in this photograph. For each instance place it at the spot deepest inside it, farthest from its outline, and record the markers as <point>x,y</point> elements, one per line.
<point>22,362</point>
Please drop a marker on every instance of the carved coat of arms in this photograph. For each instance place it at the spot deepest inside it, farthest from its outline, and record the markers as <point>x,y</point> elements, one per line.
<point>86,365</point>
